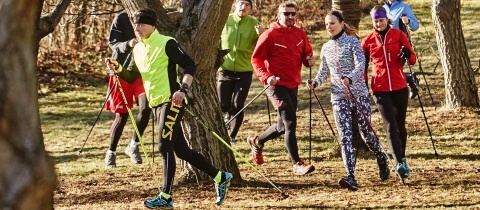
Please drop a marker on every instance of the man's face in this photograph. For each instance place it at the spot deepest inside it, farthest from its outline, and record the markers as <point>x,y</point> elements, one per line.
<point>286,16</point>
<point>143,30</point>
<point>243,8</point>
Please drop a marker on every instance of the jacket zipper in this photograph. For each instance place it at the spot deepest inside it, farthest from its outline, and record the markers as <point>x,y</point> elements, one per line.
<point>387,59</point>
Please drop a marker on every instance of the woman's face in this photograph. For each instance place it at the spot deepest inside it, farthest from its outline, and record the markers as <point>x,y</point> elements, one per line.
<point>333,25</point>
<point>380,24</point>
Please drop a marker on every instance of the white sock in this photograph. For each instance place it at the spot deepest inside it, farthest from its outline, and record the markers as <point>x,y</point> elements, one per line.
<point>133,143</point>
<point>111,152</point>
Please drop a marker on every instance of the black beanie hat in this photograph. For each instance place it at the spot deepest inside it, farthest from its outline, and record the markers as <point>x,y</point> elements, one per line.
<point>249,1</point>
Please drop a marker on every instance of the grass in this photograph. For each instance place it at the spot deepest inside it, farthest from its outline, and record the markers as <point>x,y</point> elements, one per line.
<point>449,181</point>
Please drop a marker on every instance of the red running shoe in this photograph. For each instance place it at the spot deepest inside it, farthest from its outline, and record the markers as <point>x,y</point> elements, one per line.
<point>256,149</point>
<point>300,168</point>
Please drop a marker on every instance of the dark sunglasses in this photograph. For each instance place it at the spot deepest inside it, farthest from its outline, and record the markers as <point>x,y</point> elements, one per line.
<point>289,13</point>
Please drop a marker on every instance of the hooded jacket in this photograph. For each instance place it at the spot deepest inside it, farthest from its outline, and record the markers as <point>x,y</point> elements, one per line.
<point>281,52</point>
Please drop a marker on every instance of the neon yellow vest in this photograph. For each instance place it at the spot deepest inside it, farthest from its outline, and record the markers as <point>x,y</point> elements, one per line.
<point>152,62</point>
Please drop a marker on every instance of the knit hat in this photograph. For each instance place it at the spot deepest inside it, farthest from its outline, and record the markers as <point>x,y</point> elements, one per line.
<point>145,16</point>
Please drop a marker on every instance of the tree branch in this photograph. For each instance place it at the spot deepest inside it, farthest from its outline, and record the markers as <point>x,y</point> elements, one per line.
<point>47,24</point>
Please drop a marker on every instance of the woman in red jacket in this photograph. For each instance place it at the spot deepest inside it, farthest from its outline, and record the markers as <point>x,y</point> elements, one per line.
<point>388,48</point>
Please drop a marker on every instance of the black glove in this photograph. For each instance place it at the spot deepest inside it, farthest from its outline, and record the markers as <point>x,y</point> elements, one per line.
<point>405,53</point>
<point>412,81</point>
<point>310,82</point>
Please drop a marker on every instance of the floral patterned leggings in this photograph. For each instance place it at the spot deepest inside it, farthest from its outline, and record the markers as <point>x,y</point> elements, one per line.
<point>343,110</point>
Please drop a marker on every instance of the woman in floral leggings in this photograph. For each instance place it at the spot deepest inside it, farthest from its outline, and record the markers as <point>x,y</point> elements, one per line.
<point>342,58</point>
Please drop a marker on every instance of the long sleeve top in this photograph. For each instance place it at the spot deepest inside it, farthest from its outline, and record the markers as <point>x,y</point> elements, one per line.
<point>342,56</point>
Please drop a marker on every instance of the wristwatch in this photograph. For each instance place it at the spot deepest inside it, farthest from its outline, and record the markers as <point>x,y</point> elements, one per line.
<point>184,86</point>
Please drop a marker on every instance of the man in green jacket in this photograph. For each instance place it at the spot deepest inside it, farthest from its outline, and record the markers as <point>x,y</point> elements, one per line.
<point>239,35</point>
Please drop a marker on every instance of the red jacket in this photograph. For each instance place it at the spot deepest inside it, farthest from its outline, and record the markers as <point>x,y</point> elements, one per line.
<point>280,52</point>
<point>387,69</point>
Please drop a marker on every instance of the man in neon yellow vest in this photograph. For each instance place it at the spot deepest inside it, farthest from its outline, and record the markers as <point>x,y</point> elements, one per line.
<point>157,57</point>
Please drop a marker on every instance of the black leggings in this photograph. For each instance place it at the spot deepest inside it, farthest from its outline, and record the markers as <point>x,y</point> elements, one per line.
<point>121,119</point>
<point>232,89</point>
<point>393,108</point>
<point>285,102</point>
<point>172,140</point>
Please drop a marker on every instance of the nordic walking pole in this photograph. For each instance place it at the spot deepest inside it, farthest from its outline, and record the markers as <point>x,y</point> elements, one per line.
<point>153,137</point>
<point>134,124</point>
<point>325,115</point>
<point>284,195</point>
<point>244,107</point>
<point>424,116</point>
<point>98,116</point>
<point>310,121</point>
<point>407,31</point>
<point>268,110</point>
<point>108,96</point>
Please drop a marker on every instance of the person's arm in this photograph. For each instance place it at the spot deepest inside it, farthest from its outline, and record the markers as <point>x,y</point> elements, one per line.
<point>259,56</point>
<point>412,20</point>
<point>323,70</point>
<point>176,54</point>
<point>117,39</point>
<point>115,67</point>
<point>308,59</point>
<point>366,53</point>
<point>412,58</point>
<point>359,58</point>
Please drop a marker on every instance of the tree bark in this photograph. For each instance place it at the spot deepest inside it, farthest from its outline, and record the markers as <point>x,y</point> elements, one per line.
<point>198,33</point>
<point>460,86</point>
<point>350,9</point>
<point>28,176</point>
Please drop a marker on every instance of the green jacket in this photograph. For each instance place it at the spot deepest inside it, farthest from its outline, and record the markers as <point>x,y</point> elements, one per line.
<point>239,36</point>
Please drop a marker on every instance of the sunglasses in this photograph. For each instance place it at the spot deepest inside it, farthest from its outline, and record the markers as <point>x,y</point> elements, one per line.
<point>289,13</point>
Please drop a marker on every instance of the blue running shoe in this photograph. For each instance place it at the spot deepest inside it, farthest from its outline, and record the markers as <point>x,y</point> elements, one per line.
<point>401,169</point>
<point>407,168</point>
<point>222,188</point>
<point>159,202</point>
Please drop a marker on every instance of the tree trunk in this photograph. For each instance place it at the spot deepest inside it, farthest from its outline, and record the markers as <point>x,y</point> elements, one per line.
<point>199,34</point>
<point>350,9</point>
<point>28,176</point>
<point>460,86</point>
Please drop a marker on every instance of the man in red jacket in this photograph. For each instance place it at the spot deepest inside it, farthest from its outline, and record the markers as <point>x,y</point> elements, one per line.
<point>277,61</point>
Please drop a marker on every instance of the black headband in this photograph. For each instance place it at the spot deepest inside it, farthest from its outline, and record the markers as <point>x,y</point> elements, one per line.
<point>144,19</point>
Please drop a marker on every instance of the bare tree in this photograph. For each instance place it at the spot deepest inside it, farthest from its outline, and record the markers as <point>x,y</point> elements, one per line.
<point>198,32</point>
<point>460,86</point>
<point>28,176</point>
<point>46,24</point>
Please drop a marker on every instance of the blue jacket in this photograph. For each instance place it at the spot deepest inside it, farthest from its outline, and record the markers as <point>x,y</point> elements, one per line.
<point>395,11</point>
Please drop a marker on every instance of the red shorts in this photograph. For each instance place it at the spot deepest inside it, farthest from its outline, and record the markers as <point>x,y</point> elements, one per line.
<point>115,102</point>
